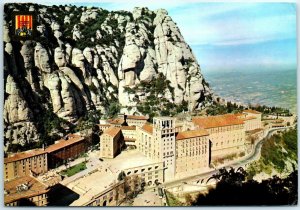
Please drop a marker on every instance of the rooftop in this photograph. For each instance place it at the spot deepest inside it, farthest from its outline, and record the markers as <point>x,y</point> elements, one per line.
<point>245,117</point>
<point>217,121</point>
<point>118,121</point>
<point>163,118</point>
<point>191,134</point>
<point>148,128</point>
<point>248,118</point>
<point>94,183</point>
<point>137,117</point>
<point>112,131</point>
<point>24,155</point>
<point>128,128</point>
<point>252,111</point>
<point>35,188</point>
<point>71,139</point>
<point>240,114</point>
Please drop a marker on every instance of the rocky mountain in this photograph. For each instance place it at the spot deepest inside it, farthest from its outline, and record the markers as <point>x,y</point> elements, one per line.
<point>87,60</point>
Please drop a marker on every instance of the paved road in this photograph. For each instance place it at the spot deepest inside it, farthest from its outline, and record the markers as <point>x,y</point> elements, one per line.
<point>239,163</point>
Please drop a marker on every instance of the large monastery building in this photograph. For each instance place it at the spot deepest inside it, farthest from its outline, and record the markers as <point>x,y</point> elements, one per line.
<point>226,133</point>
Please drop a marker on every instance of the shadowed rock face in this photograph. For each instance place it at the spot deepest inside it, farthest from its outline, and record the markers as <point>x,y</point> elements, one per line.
<point>27,53</point>
<point>73,75</point>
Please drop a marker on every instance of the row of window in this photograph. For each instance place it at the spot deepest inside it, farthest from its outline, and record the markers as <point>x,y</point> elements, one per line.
<point>191,154</point>
<point>233,141</point>
<point>144,169</point>
<point>226,128</point>
<point>191,145</point>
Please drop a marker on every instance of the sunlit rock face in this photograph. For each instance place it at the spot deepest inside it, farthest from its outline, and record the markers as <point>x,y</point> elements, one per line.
<point>6,37</point>
<point>41,59</point>
<point>87,52</point>
<point>87,59</point>
<point>8,48</point>
<point>17,117</point>
<point>60,57</point>
<point>78,58</point>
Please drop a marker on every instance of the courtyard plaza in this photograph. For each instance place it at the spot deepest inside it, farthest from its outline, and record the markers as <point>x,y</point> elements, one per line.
<point>101,175</point>
<point>148,198</point>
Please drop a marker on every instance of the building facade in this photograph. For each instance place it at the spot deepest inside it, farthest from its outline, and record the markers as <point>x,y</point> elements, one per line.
<point>132,181</point>
<point>25,163</point>
<point>226,134</point>
<point>134,120</point>
<point>192,151</point>
<point>103,127</point>
<point>129,133</point>
<point>158,142</point>
<point>111,142</point>
<point>252,119</point>
<point>150,174</point>
<point>66,149</point>
<point>144,141</point>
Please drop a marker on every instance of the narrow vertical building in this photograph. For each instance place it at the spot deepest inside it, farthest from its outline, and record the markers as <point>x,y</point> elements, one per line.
<point>157,141</point>
<point>111,142</point>
<point>165,140</point>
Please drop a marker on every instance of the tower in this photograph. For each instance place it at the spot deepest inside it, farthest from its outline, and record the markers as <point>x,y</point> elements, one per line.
<point>165,141</point>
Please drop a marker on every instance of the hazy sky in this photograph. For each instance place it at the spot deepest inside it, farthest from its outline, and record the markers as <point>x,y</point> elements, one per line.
<point>231,36</point>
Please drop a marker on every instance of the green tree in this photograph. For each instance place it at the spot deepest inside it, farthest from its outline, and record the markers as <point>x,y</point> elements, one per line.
<point>113,109</point>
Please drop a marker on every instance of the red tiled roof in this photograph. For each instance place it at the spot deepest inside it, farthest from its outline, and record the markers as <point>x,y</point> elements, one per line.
<point>72,139</point>
<point>239,114</point>
<point>116,121</point>
<point>252,111</point>
<point>112,131</point>
<point>137,117</point>
<point>191,134</point>
<point>35,188</point>
<point>24,155</point>
<point>217,121</point>
<point>148,128</point>
<point>128,128</point>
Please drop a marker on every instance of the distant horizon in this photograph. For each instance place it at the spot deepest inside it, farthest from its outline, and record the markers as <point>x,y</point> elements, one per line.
<point>248,70</point>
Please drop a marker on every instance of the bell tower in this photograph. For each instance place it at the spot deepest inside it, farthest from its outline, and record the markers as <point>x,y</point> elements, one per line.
<point>164,138</point>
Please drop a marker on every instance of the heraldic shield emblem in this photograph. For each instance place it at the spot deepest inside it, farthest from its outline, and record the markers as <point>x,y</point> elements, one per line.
<point>24,25</point>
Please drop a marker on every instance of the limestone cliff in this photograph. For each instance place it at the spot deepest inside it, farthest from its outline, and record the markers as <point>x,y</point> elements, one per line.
<point>85,59</point>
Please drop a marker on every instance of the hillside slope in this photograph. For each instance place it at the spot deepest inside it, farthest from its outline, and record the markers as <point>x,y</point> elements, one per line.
<point>89,61</point>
